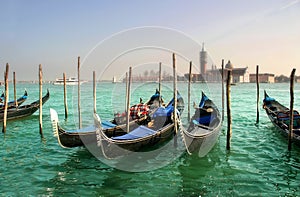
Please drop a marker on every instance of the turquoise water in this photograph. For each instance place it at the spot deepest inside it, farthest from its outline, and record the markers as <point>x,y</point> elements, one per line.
<point>258,163</point>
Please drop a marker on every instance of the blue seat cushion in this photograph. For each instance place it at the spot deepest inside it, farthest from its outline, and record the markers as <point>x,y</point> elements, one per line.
<point>139,132</point>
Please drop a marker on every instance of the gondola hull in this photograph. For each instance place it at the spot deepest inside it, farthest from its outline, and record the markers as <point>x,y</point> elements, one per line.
<point>87,136</point>
<point>12,104</point>
<point>202,144</point>
<point>144,138</point>
<point>279,116</point>
<point>201,137</point>
<point>111,148</point>
<point>24,110</point>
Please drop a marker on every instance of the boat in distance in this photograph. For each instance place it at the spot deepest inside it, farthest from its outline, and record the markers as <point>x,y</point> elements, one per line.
<point>69,81</point>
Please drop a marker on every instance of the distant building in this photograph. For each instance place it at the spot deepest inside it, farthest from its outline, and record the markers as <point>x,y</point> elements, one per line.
<point>297,79</point>
<point>239,75</point>
<point>263,78</point>
<point>203,60</point>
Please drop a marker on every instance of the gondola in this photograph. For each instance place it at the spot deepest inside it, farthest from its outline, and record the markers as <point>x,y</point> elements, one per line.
<point>280,117</point>
<point>204,128</point>
<point>23,110</point>
<point>144,138</point>
<point>87,135</point>
<point>114,127</point>
<point>12,104</point>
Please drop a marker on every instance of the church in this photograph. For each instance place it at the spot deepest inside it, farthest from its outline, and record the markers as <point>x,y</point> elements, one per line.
<point>239,75</point>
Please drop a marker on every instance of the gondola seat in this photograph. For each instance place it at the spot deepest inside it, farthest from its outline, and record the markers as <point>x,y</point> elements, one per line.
<point>139,132</point>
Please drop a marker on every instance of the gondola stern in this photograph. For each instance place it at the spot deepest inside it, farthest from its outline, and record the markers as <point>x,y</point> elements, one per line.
<point>97,121</point>
<point>204,98</point>
<point>54,121</point>
<point>265,94</point>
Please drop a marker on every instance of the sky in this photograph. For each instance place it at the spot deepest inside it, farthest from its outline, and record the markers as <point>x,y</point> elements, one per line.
<point>109,36</point>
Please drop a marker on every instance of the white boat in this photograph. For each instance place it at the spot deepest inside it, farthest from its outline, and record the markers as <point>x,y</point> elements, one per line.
<point>114,80</point>
<point>69,81</point>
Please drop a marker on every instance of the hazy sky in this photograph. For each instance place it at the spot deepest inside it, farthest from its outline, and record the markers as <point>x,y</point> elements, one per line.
<point>54,32</point>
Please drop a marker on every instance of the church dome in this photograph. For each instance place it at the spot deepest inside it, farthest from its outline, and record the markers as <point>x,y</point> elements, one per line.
<point>229,65</point>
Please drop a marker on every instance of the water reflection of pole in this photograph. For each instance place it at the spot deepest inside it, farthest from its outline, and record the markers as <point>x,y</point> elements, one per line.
<point>291,126</point>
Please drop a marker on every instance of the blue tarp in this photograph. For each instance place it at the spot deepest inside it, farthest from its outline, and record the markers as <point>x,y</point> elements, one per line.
<point>160,112</point>
<point>202,102</point>
<point>139,132</point>
<point>268,99</point>
<point>205,120</point>
<point>107,124</point>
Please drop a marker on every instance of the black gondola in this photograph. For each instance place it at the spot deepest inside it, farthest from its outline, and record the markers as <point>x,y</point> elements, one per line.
<point>115,127</point>
<point>204,128</point>
<point>23,110</point>
<point>141,139</point>
<point>280,117</point>
<point>12,104</point>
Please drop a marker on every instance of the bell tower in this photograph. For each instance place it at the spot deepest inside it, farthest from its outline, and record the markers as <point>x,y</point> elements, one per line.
<point>203,60</point>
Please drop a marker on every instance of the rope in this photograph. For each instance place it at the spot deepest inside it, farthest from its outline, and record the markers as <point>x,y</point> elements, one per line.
<point>99,144</point>
<point>97,123</point>
<point>181,130</point>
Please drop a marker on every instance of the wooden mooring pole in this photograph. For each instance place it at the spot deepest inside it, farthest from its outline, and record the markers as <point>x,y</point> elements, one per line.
<point>229,126</point>
<point>126,78</point>
<point>175,100</point>
<point>41,100</point>
<point>94,91</point>
<point>189,91</point>
<point>257,94</point>
<point>15,89</point>
<point>78,76</point>
<point>65,97</point>
<point>128,100</point>
<point>5,98</point>
<point>159,83</point>
<point>222,77</point>
<point>291,126</point>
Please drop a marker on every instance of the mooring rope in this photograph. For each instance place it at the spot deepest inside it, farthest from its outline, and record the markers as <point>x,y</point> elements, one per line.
<point>100,144</point>
<point>181,130</point>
